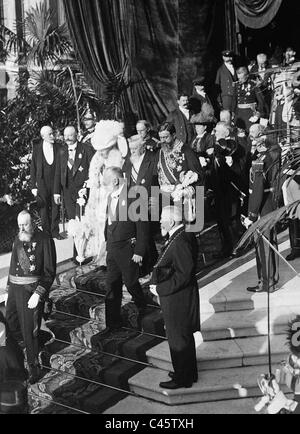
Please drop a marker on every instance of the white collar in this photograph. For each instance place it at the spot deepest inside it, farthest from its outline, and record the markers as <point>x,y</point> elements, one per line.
<point>47,144</point>
<point>116,194</point>
<point>72,147</point>
<point>185,111</point>
<point>174,230</point>
<point>201,137</point>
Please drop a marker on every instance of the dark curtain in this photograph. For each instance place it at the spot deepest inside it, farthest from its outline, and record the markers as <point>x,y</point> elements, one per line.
<point>257,13</point>
<point>152,48</point>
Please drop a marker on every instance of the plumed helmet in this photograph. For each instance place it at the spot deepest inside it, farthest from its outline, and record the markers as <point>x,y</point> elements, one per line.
<point>106,134</point>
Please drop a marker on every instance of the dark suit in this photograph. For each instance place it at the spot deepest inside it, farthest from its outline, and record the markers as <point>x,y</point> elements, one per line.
<point>175,277</point>
<point>125,238</point>
<point>147,178</point>
<point>224,83</point>
<point>42,178</point>
<point>70,182</point>
<point>184,129</point>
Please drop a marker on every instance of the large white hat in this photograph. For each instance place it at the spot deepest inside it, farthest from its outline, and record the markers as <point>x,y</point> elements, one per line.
<point>106,134</point>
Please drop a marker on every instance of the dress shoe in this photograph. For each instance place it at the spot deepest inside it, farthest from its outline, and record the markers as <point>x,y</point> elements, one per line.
<point>172,375</point>
<point>172,385</point>
<point>257,288</point>
<point>292,256</point>
<point>35,374</point>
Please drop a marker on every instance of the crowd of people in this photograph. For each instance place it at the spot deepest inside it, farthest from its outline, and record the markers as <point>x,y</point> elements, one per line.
<point>121,192</point>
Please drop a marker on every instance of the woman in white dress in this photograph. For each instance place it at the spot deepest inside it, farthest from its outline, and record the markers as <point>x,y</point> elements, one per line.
<point>111,150</point>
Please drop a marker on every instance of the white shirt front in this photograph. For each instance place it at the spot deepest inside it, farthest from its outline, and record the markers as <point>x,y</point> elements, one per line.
<point>114,202</point>
<point>186,112</point>
<point>48,152</point>
<point>72,154</point>
<point>230,67</point>
<point>137,162</point>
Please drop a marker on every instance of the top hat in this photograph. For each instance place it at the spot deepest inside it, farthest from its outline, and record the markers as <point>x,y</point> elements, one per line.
<point>227,53</point>
<point>199,81</point>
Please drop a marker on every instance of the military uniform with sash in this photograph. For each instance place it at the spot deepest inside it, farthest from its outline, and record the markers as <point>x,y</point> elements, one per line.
<point>263,175</point>
<point>32,270</point>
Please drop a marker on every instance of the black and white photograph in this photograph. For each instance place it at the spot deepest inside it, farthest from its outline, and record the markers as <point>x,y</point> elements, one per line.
<point>149,209</point>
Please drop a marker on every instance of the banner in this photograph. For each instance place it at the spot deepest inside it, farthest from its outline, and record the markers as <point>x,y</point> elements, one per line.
<point>256,13</point>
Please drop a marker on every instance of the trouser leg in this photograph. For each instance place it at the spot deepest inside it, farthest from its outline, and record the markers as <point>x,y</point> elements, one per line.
<point>113,299</point>
<point>183,356</point>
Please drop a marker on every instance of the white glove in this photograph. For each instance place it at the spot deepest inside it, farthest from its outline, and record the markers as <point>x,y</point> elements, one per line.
<point>247,223</point>
<point>82,192</point>
<point>57,199</point>
<point>203,161</point>
<point>229,161</point>
<point>254,119</point>
<point>5,299</point>
<point>34,301</point>
<point>153,290</point>
<point>34,192</point>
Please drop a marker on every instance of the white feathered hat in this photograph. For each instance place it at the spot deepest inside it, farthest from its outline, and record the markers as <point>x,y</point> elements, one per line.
<point>106,134</point>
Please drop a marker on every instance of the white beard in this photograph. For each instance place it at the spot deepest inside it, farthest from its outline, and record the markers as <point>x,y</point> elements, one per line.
<point>164,232</point>
<point>25,237</point>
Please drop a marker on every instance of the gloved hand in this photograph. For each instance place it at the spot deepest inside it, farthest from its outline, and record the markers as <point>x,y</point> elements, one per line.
<point>34,192</point>
<point>34,301</point>
<point>247,223</point>
<point>281,402</point>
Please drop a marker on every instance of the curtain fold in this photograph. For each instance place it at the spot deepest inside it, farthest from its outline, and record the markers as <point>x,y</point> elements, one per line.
<point>257,13</point>
<point>152,48</point>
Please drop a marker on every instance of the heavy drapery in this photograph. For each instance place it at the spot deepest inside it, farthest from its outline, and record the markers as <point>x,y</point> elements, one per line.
<point>256,13</point>
<point>152,48</point>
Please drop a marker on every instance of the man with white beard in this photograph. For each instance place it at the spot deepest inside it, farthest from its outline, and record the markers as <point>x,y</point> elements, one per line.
<point>31,275</point>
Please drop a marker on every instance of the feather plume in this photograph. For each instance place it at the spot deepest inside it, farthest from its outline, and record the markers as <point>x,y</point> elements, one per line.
<point>106,134</point>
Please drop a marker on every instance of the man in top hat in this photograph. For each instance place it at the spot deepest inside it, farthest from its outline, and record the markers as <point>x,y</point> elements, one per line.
<point>89,122</point>
<point>226,76</point>
<point>199,96</point>
<point>203,144</point>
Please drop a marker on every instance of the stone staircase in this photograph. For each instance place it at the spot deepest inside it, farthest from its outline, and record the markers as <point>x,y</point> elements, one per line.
<point>232,349</point>
<point>86,373</point>
<point>78,364</point>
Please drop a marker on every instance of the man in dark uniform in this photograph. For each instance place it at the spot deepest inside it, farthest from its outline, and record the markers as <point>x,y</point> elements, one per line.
<point>199,96</point>
<point>180,118</point>
<point>42,174</point>
<point>127,240</point>
<point>225,78</point>
<point>31,275</point>
<point>89,121</point>
<point>174,282</point>
<point>248,101</point>
<point>72,171</point>
<point>263,178</point>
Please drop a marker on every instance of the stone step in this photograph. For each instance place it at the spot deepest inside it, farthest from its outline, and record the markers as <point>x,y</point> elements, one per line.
<point>225,354</point>
<point>240,324</point>
<point>220,385</point>
<point>62,388</point>
<point>144,406</point>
